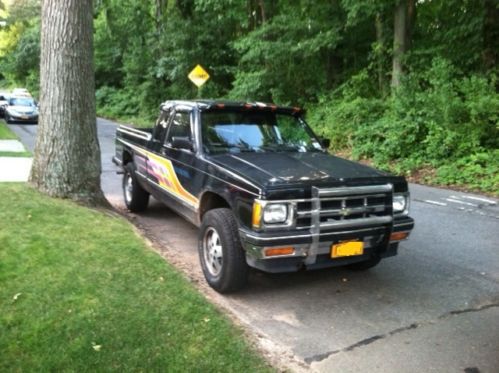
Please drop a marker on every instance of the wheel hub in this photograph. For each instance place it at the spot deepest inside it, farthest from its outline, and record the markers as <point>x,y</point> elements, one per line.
<point>212,249</point>
<point>128,187</point>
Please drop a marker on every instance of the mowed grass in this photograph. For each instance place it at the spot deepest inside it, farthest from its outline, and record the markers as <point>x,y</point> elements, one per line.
<point>6,133</point>
<point>80,291</point>
<point>15,154</point>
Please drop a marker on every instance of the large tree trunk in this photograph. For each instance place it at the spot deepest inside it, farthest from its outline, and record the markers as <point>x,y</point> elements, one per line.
<point>399,41</point>
<point>67,155</point>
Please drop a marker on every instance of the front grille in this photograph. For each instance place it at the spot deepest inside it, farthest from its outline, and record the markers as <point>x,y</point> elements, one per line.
<point>332,208</point>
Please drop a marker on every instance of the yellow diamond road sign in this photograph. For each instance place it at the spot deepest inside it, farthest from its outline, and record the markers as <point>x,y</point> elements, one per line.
<point>198,76</point>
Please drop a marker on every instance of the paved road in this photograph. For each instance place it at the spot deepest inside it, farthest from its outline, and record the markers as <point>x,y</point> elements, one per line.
<point>432,308</point>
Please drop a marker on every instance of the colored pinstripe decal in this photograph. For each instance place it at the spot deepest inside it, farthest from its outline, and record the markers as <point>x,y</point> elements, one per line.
<point>168,178</point>
<point>164,172</point>
<point>234,175</point>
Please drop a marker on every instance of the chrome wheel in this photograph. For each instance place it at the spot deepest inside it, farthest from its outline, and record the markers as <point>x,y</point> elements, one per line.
<point>128,187</point>
<point>136,198</point>
<point>221,254</point>
<point>212,250</point>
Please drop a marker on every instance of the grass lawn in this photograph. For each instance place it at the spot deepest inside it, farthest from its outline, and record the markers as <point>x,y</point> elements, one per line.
<point>80,291</point>
<point>15,154</point>
<point>6,133</point>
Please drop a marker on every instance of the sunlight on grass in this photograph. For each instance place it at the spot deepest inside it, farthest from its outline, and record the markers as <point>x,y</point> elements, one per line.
<point>6,133</point>
<point>15,154</point>
<point>80,291</point>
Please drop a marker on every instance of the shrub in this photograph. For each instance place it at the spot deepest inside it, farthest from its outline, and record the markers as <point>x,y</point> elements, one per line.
<point>480,171</point>
<point>438,118</point>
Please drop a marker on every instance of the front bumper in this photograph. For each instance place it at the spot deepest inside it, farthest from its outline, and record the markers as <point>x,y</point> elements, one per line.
<point>313,252</point>
<point>28,118</point>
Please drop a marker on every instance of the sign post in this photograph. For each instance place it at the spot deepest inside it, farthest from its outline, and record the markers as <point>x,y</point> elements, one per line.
<point>198,76</point>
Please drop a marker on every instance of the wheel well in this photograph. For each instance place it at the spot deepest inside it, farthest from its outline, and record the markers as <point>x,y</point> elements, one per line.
<point>211,201</point>
<point>127,157</point>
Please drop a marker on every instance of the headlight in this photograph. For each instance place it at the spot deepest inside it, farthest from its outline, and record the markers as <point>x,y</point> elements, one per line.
<point>13,112</point>
<point>268,213</point>
<point>400,203</point>
<point>275,213</point>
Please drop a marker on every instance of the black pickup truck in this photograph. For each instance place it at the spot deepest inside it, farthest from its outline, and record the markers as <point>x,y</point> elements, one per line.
<point>263,190</point>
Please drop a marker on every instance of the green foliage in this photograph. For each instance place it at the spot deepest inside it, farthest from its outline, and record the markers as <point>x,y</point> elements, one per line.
<point>126,105</point>
<point>283,60</point>
<point>438,118</point>
<point>334,57</point>
<point>82,292</point>
<point>148,52</point>
<point>479,171</point>
<point>453,30</point>
<point>21,63</point>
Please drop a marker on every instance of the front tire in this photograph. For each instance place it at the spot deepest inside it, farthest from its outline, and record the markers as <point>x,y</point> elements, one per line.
<point>136,198</point>
<point>220,252</point>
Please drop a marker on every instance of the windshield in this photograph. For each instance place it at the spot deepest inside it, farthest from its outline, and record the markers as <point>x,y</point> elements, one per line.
<point>239,131</point>
<point>22,102</point>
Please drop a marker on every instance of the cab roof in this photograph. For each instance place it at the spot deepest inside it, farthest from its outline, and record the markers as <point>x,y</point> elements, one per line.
<point>208,105</point>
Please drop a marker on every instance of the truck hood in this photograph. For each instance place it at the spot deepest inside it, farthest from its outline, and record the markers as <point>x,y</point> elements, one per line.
<point>277,168</point>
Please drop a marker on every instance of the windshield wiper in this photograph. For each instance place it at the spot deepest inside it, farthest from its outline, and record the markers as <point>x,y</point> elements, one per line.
<point>279,148</point>
<point>241,148</point>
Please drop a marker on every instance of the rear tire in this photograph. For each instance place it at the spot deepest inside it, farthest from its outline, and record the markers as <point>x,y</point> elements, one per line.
<point>365,265</point>
<point>221,254</point>
<point>136,198</point>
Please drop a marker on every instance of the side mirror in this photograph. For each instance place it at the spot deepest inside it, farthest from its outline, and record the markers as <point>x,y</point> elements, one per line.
<point>325,142</point>
<point>182,142</point>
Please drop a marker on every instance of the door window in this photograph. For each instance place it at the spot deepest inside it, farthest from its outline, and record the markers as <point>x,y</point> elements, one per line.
<point>162,125</point>
<point>180,126</point>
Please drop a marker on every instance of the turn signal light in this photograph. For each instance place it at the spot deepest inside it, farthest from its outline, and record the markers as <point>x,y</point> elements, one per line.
<point>257,215</point>
<point>399,236</point>
<point>278,251</point>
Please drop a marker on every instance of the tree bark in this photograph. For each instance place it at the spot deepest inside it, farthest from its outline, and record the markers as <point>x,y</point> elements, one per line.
<point>67,156</point>
<point>399,41</point>
<point>490,53</point>
<point>160,8</point>
<point>380,48</point>
<point>261,5</point>
<point>411,21</point>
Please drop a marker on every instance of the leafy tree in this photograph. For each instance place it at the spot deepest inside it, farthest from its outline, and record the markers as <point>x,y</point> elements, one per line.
<point>286,57</point>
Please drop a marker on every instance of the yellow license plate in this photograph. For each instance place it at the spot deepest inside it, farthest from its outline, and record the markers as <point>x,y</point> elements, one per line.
<point>349,248</point>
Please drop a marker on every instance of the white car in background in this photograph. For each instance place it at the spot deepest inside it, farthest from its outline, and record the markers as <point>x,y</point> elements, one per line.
<point>21,109</point>
<point>21,92</point>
